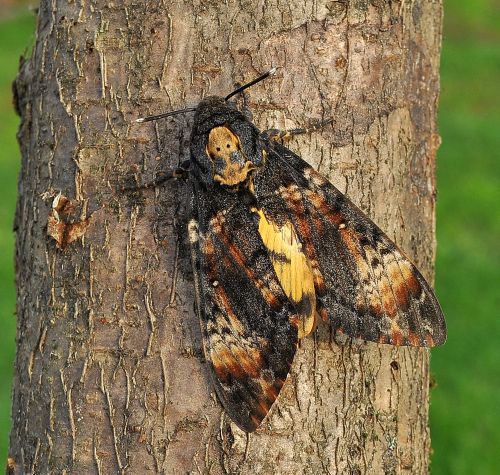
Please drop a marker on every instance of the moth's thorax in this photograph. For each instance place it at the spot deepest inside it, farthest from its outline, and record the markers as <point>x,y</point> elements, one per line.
<point>231,166</point>
<point>226,148</point>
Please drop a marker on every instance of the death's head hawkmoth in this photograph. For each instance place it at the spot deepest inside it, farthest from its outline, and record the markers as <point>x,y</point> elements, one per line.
<point>275,248</point>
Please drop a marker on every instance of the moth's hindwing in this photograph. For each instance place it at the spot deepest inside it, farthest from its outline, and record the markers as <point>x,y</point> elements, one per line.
<point>248,323</point>
<point>368,288</point>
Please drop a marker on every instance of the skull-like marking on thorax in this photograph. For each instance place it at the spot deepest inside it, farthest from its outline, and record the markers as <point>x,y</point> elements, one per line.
<point>224,149</point>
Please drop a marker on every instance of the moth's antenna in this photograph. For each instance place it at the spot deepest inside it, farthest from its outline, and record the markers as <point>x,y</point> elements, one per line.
<point>192,109</point>
<point>166,114</point>
<point>251,83</point>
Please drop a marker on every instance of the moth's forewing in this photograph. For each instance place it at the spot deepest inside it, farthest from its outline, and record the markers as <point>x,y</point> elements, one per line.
<point>248,333</point>
<point>366,285</point>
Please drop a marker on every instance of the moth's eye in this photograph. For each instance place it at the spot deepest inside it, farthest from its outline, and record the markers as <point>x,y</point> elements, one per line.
<point>218,149</point>
<point>228,146</point>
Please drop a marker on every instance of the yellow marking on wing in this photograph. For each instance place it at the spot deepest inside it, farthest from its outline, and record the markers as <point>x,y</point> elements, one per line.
<point>293,269</point>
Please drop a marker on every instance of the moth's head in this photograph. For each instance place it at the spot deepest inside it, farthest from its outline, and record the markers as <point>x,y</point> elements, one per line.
<point>226,147</point>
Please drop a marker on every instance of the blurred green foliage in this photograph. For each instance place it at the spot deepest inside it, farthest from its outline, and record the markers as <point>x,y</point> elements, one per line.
<point>16,38</point>
<point>465,406</point>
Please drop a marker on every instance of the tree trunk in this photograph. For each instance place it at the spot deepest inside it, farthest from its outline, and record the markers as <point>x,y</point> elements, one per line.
<point>110,376</point>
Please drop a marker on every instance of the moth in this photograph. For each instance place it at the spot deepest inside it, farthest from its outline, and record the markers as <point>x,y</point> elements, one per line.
<point>275,248</point>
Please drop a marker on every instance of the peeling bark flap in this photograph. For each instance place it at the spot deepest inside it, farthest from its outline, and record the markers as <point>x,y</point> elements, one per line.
<point>61,223</point>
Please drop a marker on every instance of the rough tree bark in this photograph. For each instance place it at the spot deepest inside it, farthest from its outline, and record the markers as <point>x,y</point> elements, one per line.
<point>109,372</point>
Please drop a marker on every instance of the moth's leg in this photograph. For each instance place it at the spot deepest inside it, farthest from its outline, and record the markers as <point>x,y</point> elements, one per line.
<point>282,135</point>
<point>181,173</point>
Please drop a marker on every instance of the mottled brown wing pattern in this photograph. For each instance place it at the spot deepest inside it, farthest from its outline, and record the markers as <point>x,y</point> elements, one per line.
<point>365,284</point>
<point>247,321</point>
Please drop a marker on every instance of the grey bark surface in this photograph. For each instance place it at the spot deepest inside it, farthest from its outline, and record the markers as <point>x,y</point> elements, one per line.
<point>109,374</point>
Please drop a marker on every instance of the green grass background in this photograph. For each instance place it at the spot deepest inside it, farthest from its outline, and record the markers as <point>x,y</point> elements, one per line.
<point>465,405</point>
